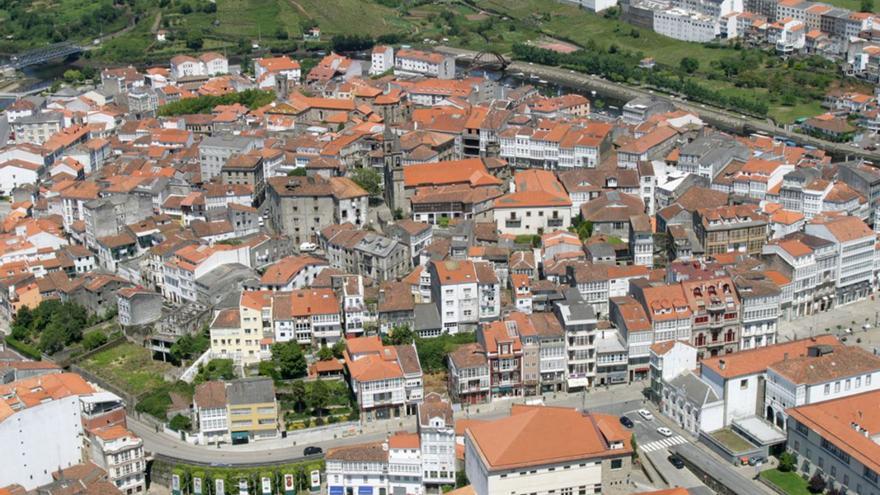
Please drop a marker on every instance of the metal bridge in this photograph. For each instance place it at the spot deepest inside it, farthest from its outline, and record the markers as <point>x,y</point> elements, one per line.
<point>489,60</point>
<point>43,54</point>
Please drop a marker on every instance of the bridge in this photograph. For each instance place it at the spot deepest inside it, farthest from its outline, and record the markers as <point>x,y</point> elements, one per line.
<point>43,54</point>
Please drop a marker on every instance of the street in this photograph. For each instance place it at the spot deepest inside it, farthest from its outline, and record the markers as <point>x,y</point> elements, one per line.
<point>4,131</point>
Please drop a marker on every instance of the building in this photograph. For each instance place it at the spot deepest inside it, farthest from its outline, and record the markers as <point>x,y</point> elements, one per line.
<point>579,324</point>
<point>469,380</point>
<point>726,229</point>
<point>120,453</point>
<point>214,151</point>
<point>692,404</point>
<point>42,418</point>
<point>541,449</point>
<point>253,409</point>
<point>465,292</point>
<point>386,380</point>
<point>138,306</point>
<point>366,253</point>
<point>836,439</point>
<point>854,242</point>
<point>436,429</point>
<point>538,204</point>
<point>302,206</point>
<point>826,372</point>
<point>381,59</point>
<point>361,468</point>
<point>504,353</point>
<point>430,64</point>
<point>211,413</point>
<point>668,360</point>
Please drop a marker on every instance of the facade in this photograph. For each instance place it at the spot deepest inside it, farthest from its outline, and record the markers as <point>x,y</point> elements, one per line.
<point>436,430</point>
<point>728,229</point>
<point>253,409</point>
<point>211,413</point>
<point>465,292</point>
<point>429,64</point>
<point>120,453</point>
<point>469,379</point>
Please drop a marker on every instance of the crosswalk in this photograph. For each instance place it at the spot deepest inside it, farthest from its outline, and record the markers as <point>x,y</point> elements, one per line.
<point>664,443</point>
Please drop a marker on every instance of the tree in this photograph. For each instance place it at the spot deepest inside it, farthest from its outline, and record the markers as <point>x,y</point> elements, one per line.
<point>281,33</point>
<point>338,349</point>
<point>23,323</point>
<point>52,339</point>
<point>189,346</point>
<point>298,393</point>
<point>290,360</point>
<point>817,483</point>
<point>325,353</point>
<point>689,64</point>
<point>319,396</point>
<point>368,179</point>
<point>635,447</point>
<point>194,42</point>
<point>72,76</point>
<point>297,172</point>
<point>866,6</point>
<point>400,335</point>
<point>180,423</point>
<point>787,462</point>
<point>216,369</point>
<point>93,340</point>
<point>267,368</point>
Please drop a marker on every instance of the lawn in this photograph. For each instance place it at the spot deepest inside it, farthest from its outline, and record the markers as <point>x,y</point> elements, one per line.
<point>789,483</point>
<point>731,440</point>
<point>128,366</point>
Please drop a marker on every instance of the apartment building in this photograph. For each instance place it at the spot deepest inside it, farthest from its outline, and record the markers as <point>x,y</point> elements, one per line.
<point>469,378</point>
<point>668,360</point>
<point>366,253</point>
<point>311,317</point>
<point>504,354</point>
<point>387,380</point>
<point>215,151</point>
<point>230,341</point>
<point>761,301</point>
<point>539,204</point>
<point>253,409</point>
<point>302,206</point>
<point>436,431</point>
<point>555,145</point>
<point>430,64</point>
<point>726,229</point>
<point>540,449</point>
<point>716,309</point>
<point>210,412</point>
<point>120,453</point>
<point>579,324</point>
<point>465,292</point>
<point>854,242</point>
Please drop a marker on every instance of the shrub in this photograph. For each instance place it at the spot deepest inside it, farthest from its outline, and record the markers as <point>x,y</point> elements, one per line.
<point>787,462</point>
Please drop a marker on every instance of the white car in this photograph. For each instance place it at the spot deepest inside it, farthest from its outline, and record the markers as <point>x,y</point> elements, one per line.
<point>646,414</point>
<point>308,247</point>
<point>666,432</point>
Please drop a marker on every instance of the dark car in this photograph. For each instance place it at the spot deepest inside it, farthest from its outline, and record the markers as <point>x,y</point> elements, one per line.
<point>626,422</point>
<point>676,461</point>
<point>312,451</point>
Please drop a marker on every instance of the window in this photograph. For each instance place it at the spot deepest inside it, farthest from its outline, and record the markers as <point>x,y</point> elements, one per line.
<point>867,380</point>
<point>744,384</point>
<point>616,464</point>
<point>836,387</point>
<point>827,388</point>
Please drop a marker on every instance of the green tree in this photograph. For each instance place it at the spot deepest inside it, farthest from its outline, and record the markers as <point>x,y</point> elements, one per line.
<point>268,368</point>
<point>190,346</point>
<point>399,335</point>
<point>689,64</point>
<point>289,359</point>
<point>866,6</point>
<point>319,396</point>
<point>194,42</point>
<point>338,349</point>
<point>325,353</point>
<point>216,369</point>
<point>368,179</point>
<point>52,339</point>
<point>180,423</point>
<point>297,172</point>
<point>23,323</point>
<point>635,447</point>
<point>298,395</point>
<point>787,462</point>
<point>72,76</point>
<point>281,33</point>
<point>93,340</point>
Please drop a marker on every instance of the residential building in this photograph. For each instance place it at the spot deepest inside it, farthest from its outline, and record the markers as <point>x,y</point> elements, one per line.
<point>366,253</point>
<point>120,453</point>
<point>692,404</point>
<point>253,409</point>
<point>726,229</point>
<point>538,204</point>
<point>542,449</point>
<point>436,430</point>
<point>504,353</point>
<point>579,324</point>
<point>386,380</point>
<point>469,379</point>
<point>854,242</point>
<point>669,359</point>
<point>211,413</point>
<point>465,292</point>
<point>430,64</point>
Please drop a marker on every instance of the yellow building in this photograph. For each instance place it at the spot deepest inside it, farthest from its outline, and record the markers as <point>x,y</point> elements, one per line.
<point>236,333</point>
<point>253,410</point>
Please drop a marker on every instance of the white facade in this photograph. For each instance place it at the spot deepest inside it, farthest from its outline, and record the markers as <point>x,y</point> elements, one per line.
<point>14,174</point>
<point>123,459</point>
<point>213,424</point>
<point>686,26</point>
<point>40,440</point>
<point>381,60</point>
<point>740,394</point>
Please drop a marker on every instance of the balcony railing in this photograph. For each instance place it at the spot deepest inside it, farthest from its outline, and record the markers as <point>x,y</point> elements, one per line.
<point>513,224</point>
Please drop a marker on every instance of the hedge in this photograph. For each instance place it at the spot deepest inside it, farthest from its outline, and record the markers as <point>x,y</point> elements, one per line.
<point>24,349</point>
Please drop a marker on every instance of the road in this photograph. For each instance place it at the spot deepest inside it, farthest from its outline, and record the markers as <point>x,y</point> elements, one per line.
<point>287,450</point>
<point>4,130</point>
<point>714,116</point>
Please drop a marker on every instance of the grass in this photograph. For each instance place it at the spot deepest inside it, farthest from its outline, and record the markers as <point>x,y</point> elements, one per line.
<point>731,440</point>
<point>789,482</point>
<point>130,367</point>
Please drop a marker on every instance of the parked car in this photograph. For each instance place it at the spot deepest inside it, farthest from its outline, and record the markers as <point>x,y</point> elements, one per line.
<point>676,461</point>
<point>312,450</point>
<point>308,247</point>
<point>646,414</point>
<point>626,422</point>
<point>666,432</point>
<point>757,460</point>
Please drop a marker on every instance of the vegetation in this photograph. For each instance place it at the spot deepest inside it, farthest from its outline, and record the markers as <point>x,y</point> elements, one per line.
<point>787,462</point>
<point>432,352</point>
<point>786,482</point>
<point>93,340</point>
<point>180,423</point>
<point>298,172</point>
<point>51,326</point>
<point>288,360</point>
<point>25,24</point>
<point>251,98</point>
<point>157,402</point>
<point>817,483</point>
<point>369,179</point>
<point>190,346</point>
<point>216,369</point>
<point>231,475</point>
<point>304,401</point>
<point>128,366</point>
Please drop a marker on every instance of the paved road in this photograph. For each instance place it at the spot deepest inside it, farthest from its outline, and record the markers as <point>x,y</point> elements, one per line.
<point>715,116</point>
<point>4,130</point>
<point>287,450</point>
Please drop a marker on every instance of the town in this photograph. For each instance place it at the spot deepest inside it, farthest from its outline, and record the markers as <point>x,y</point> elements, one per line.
<point>403,273</point>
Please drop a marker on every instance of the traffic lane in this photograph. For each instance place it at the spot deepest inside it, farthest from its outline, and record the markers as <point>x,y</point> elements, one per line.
<point>674,477</point>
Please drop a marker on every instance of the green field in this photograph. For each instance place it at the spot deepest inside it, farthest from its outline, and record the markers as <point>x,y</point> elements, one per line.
<point>128,366</point>
<point>789,483</point>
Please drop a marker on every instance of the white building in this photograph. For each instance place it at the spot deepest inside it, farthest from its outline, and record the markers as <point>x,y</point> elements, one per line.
<point>358,469</point>
<point>381,59</point>
<point>692,404</point>
<point>210,412</point>
<point>684,25</point>
<point>15,173</point>
<point>437,436</point>
<point>44,432</point>
<point>540,449</point>
<point>579,322</point>
<point>466,292</point>
<point>537,204</point>
<point>121,454</point>
<point>827,372</point>
<point>854,242</point>
<point>429,64</point>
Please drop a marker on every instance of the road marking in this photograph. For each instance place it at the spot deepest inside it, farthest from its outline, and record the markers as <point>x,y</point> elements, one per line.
<point>664,443</point>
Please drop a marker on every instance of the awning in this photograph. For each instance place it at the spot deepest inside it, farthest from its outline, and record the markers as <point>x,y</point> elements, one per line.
<point>337,490</point>
<point>365,490</point>
<point>240,435</point>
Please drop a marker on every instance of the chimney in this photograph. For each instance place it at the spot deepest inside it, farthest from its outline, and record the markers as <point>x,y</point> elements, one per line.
<point>785,357</point>
<point>722,364</point>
